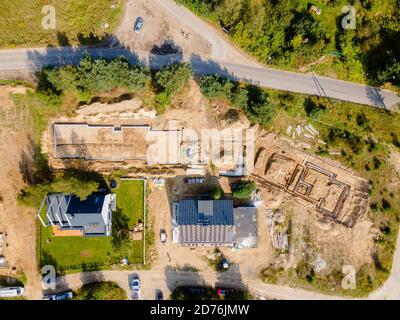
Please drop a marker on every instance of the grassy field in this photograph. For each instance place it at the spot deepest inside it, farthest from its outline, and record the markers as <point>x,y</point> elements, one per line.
<point>72,253</point>
<point>130,199</point>
<point>77,22</point>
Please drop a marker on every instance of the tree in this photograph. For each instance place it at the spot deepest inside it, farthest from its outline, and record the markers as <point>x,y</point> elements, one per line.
<point>73,185</point>
<point>172,78</point>
<point>217,193</point>
<point>243,189</point>
<point>216,87</point>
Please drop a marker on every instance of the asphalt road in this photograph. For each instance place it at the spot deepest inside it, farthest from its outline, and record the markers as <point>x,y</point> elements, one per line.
<point>35,59</point>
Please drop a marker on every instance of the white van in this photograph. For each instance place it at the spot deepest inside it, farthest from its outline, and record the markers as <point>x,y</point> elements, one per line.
<point>10,292</point>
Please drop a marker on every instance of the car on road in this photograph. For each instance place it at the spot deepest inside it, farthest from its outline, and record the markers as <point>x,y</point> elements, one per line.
<point>163,236</point>
<point>10,292</point>
<point>59,296</point>
<point>138,24</point>
<point>159,295</point>
<point>135,284</point>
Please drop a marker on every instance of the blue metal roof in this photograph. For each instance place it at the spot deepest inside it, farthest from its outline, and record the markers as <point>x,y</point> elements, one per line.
<point>205,212</point>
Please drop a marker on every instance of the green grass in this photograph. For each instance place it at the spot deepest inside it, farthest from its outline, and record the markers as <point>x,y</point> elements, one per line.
<point>80,253</point>
<point>77,22</point>
<point>100,291</point>
<point>130,199</point>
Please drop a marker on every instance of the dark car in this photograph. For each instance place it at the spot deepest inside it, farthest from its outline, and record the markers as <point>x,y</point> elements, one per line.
<point>138,24</point>
<point>60,296</point>
<point>159,295</point>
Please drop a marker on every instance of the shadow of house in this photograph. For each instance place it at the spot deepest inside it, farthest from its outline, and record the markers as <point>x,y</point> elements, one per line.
<point>231,278</point>
<point>89,274</point>
<point>175,278</point>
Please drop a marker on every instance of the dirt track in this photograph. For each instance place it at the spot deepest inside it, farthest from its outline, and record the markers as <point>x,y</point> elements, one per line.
<point>18,223</point>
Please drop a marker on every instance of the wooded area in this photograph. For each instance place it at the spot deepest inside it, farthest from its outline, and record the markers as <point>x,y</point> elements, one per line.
<point>288,35</point>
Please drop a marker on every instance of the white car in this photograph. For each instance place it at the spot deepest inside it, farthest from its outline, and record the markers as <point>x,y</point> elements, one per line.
<point>135,284</point>
<point>163,236</point>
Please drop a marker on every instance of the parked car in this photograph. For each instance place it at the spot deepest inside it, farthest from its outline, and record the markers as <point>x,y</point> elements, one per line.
<point>163,236</point>
<point>138,24</point>
<point>10,292</point>
<point>135,284</point>
<point>159,295</point>
<point>59,296</point>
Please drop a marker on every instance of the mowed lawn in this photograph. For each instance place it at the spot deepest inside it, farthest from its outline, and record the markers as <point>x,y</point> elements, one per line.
<point>130,199</point>
<point>21,22</point>
<point>71,253</point>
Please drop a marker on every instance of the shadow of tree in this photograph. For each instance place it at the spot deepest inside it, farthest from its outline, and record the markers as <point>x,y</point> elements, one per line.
<point>375,96</point>
<point>175,278</point>
<point>120,229</point>
<point>34,165</point>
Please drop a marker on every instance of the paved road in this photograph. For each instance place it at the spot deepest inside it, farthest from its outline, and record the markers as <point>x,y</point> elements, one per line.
<point>152,280</point>
<point>170,279</point>
<point>35,59</point>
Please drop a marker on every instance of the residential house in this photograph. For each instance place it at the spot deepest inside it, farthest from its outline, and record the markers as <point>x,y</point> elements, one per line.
<point>71,216</point>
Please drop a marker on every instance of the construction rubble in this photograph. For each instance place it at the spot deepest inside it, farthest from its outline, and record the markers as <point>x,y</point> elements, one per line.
<point>275,221</point>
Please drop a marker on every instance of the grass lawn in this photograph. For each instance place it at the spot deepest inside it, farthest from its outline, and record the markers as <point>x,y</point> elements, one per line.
<point>72,253</point>
<point>77,22</point>
<point>130,199</point>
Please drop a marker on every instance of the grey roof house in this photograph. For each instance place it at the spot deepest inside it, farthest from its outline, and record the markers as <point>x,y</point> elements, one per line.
<point>70,216</point>
<point>212,223</point>
<point>203,222</point>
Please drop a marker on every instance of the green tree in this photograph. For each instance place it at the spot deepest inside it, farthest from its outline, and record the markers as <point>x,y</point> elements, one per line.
<point>217,193</point>
<point>172,78</point>
<point>243,189</point>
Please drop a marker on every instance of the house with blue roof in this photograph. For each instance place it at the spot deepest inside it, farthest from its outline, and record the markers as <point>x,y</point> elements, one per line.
<point>213,223</point>
<point>71,216</point>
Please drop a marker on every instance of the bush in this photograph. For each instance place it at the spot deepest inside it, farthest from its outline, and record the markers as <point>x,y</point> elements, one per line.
<point>216,87</point>
<point>172,78</point>
<point>217,193</point>
<point>93,76</point>
<point>244,189</point>
<point>163,100</point>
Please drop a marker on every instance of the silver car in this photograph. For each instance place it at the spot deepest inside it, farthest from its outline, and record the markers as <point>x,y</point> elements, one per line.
<point>138,24</point>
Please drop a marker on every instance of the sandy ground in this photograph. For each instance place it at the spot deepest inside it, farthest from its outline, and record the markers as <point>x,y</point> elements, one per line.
<point>158,27</point>
<point>17,222</point>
